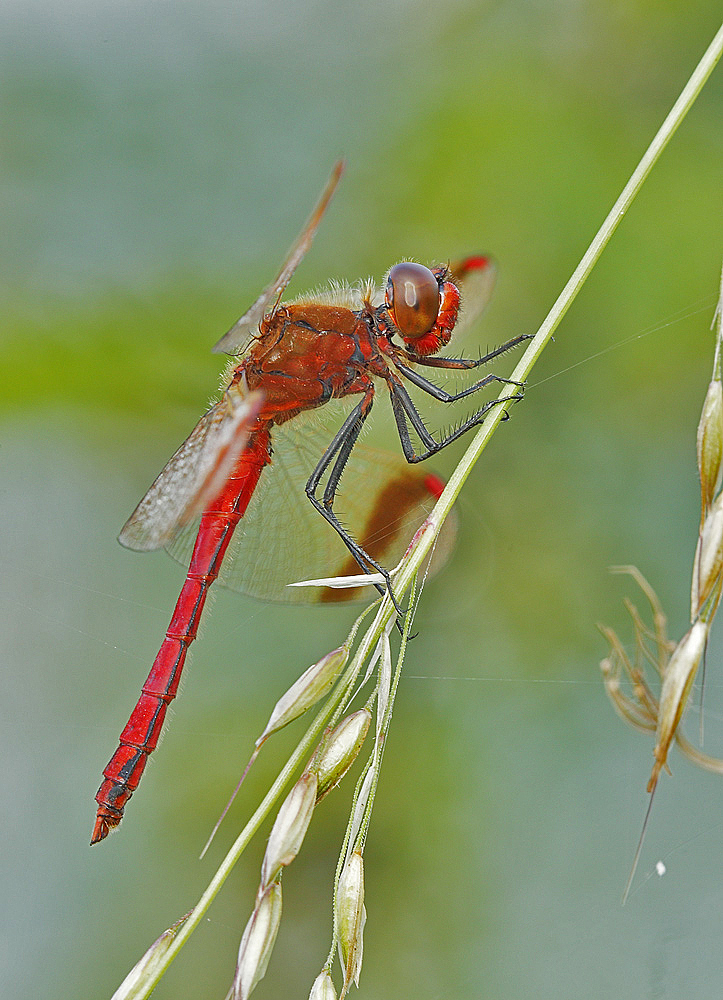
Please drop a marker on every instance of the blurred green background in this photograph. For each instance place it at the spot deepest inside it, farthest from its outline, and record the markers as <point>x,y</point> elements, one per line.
<point>155,162</point>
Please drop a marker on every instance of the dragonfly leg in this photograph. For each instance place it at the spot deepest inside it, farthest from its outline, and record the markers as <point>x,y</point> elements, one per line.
<point>464,364</point>
<point>404,409</point>
<point>338,452</point>
<point>450,397</point>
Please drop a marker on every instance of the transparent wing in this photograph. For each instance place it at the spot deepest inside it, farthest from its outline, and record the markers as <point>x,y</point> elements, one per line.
<point>195,474</point>
<point>475,276</point>
<point>237,337</point>
<point>281,539</point>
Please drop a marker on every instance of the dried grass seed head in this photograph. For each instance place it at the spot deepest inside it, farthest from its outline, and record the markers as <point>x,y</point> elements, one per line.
<point>678,680</point>
<point>709,557</point>
<point>710,443</point>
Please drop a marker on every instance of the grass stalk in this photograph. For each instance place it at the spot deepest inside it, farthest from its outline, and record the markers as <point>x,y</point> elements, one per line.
<point>426,537</point>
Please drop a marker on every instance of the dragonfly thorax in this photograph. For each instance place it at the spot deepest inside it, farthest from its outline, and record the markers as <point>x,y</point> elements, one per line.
<point>308,353</point>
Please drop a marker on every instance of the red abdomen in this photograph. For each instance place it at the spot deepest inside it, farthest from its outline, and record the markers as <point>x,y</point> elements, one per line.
<point>140,736</point>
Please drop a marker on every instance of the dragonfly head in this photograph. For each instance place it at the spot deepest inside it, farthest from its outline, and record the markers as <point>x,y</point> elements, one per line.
<point>422,304</point>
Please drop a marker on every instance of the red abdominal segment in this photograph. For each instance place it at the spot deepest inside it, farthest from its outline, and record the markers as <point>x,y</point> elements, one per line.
<point>140,737</point>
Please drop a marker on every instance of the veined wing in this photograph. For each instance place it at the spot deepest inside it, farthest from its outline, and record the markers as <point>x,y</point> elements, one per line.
<point>195,474</point>
<point>281,539</point>
<point>475,276</point>
<point>237,337</point>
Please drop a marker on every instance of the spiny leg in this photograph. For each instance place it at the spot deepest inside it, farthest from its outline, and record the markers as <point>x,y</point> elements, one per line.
<point>404,409</point>
<point>450,397</point>
<point>464,364</point>
<point>338,452</point>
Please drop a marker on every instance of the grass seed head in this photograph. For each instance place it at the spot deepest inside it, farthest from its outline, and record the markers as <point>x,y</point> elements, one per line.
<point>677,682</point>
<point>143,970</point>
<point>288,831</point>
<point>339,749</point>
<point>350,916</point>
<point>708,558</point>
<point>710,443</point>
<point>323,988</point>
<point>257,943</point>
<point>313,684</point>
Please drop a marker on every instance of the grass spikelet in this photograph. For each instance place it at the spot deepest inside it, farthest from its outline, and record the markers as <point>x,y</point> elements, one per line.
<point>676,666</point>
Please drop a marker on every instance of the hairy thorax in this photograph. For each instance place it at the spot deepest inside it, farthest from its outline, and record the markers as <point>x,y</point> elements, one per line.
<point>306,354</point>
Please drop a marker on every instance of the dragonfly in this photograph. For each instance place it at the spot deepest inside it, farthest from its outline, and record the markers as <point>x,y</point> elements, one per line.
<point>258,449</point>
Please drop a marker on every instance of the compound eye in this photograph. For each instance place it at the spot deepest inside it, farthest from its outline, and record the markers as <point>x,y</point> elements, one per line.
<point>412,296</point>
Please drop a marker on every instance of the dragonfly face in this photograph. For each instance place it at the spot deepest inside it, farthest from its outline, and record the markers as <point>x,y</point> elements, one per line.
<point>412,296</point>
<point>423,306</point>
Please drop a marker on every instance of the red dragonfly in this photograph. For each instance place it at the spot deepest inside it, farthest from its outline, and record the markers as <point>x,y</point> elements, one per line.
<point>288,360</point>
